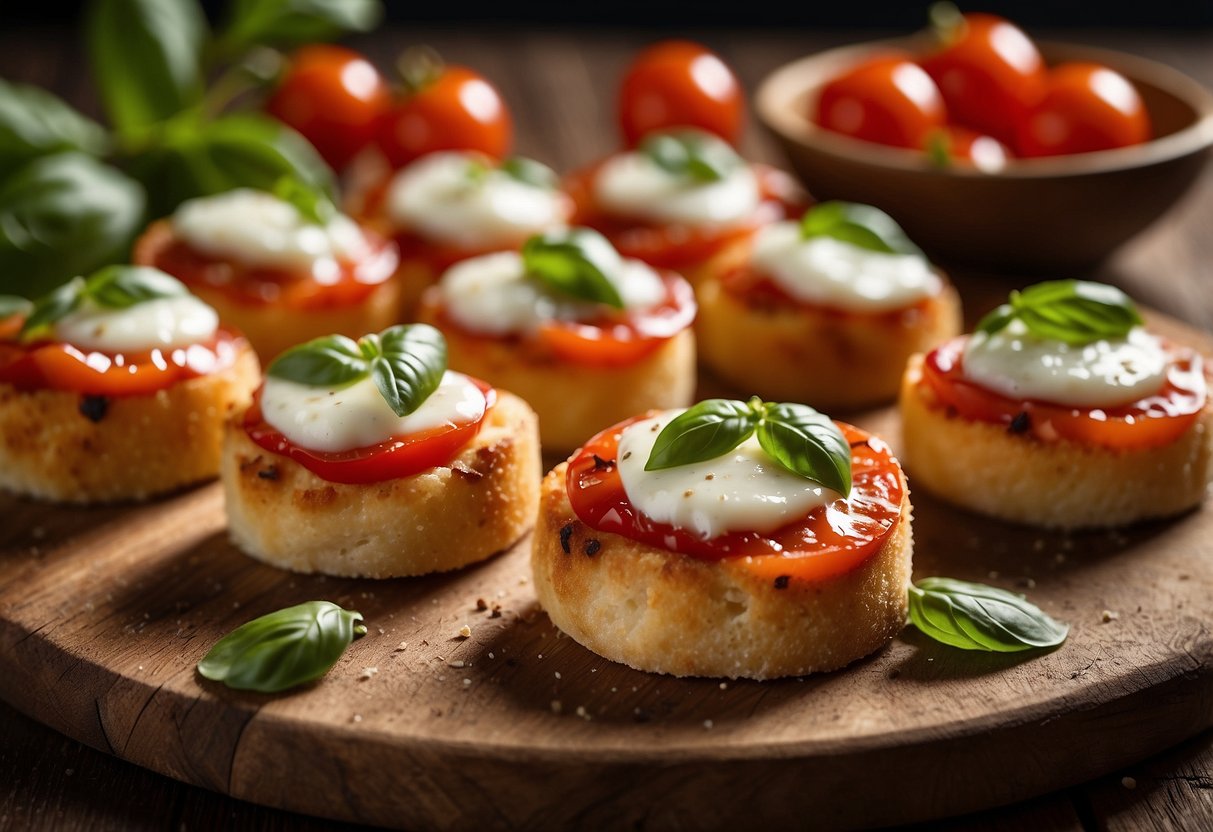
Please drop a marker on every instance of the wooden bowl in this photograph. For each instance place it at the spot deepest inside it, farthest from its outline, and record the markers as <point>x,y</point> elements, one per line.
<point>1052,215</point>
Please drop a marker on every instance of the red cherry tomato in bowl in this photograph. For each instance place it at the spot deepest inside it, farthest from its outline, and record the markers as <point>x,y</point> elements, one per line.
<point>450,108</point>
<point>334,97</point>
<point>1086,107</point>
<point>953,144</point>
<point>677,83</point>
<point>888,99</point>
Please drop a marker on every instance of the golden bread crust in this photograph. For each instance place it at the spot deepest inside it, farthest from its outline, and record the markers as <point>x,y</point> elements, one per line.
<point>137,447</point>
<point>663,612</point>
<point>440,519</point>
<point>1062,484</point>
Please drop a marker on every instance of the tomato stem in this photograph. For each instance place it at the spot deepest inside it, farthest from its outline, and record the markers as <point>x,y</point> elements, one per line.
<point>419,67</point>
<point>946,22</point>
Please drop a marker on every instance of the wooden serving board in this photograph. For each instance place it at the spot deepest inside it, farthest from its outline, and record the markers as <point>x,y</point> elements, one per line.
<point>104,613</point>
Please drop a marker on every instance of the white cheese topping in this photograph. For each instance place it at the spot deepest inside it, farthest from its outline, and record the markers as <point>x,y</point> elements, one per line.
<point>163,323</point>
<point>744,490</point>
<point>258,229</point>
<point>493,294</point>
<point>633,185</point>
<point>356,416</point>
<point>438,198</point>
<point>833,273</point>
<point>1107,373</point>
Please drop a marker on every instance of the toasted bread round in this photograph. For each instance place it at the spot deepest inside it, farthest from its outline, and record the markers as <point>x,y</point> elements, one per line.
<point>440,519</point>
<point>786,351</point>
<point>72,448</point>
<point>413,277</point>
<point>666,612</point>
<point>1058,484</point>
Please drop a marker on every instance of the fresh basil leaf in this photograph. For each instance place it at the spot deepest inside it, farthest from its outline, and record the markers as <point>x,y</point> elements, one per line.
<point>121,287</point>
<point>146,57</point>
<point>53,306</point>
<point>62,215</point>
<point>859,225</point>
<point>996,320</point>
<point>330,361</point>
<point>530,172</point>
<point>282,649</point>
<point>574,262</point>
<point>704,431</point>
<point>11,305</point>
<point>695,154</point>
<point>978,617</point>
<point>35,123</point>
<point>312,203</point>
<point>410,365</point>
<point>294,22</point>
<point>1072,311</point>
<point>807,443</point>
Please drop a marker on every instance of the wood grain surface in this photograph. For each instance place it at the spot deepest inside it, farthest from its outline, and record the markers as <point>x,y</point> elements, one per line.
<point>111,607</point>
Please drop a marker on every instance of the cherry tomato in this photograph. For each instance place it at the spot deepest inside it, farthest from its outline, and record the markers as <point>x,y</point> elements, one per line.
<point>888,99</point>
<point>400,456</point>
<point>1086,107</point>
<point>990,74</point>
<point>334,97</point>
<point>953,144</point>
<point>677,83</point>
<point>448,108</point>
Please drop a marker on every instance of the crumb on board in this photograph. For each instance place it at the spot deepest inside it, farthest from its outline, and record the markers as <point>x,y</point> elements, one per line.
<point>1109,615</point>
<point>1128,782</point>
<point>556,706</point>
<point>367,673</point>
<point>465,631</point>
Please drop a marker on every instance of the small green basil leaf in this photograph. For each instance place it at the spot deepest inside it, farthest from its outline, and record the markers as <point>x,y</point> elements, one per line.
<point>978,617</point>
<point>859,225</point>
<point>120,287</point>
<point>996,320</point>
<point>53,306</point>
<point>35,123</point>
<point>807,443</point>
<point>704,431</point>
<point>530,172</point>
<point>62,215</point>
<point>1076,311</point>
<point>294,22</point>
<point>146,57</point>
<point>574,262</point>
<point>695,154</point>
<point>330,361</point>
<point>410,365</point>
<point>11,305</point>
<point>312,203</point>
<point>282,649</point>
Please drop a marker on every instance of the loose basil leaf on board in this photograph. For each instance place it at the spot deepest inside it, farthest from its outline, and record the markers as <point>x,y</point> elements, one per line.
<point>331,361</point>
<point>704,431</point>
<point>1073,311</point>
<point>283,649</point>
<point>859,225</point>
<point>807,443</point>
<point>294,22</point>
<point>312,203</point>
<point>530,172</point>
<point>409,366</point>
<point>574,262</point>
<point>11,305</point>
<point>64,215</point>
<point>121,287</point>
<point>35,123</point>
<point>53,306</point>
<point>146,57</point>
<point>978,617</point>
<point>695,154</point>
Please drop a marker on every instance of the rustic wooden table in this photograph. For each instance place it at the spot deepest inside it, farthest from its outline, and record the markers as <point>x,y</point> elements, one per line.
<point>560,85</point>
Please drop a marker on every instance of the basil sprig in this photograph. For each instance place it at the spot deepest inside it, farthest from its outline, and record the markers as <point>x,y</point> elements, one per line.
<point>113,287</point>
<point>860,225</point>
<point>695,154</point>
<point>978,617</point>
<point>406,362</point>
<point>573,262</point>
<point>312,203</point>
<point>530,172</point>
<point>795,436</point>
<point>283,649</point>
<point>1074,311</point>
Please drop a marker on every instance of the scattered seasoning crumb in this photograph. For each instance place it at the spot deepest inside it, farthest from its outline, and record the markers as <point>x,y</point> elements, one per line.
<point>268,473</point>
<point>441,678</point>
<point>367,673</point>
<point>481,605</point>
<point>541,655</point>
<point>1109,615</point>
<point>592,547</point>
<point>465,631</point>
<point>781,582</point>
<point>1021,423</point>
<point>1128,782</point>
<point>381,631</point>
<point>710,477</point>
<point>404,645</point>
<point>491,656</point>
<point>724,685</point>
<point>688,493</point>
<point>495,612</point>
<point>1028,583</point>
<point>356,718</point>
<point>522,582</point>
<point>558,674</point>
<point>581,712</point>
<point>601,464</point>
<point>556,706</point>
<point>467,683</point>
<point>94,408</point>
<point>707,723</point>
<point>566,531</point>
<point>455,663</point>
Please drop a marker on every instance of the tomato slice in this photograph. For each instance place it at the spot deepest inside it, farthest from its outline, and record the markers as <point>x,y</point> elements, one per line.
<point>258,286</point>
<point>52,365</point>
<point>830,540</point>
<point>1147,423</point>
<point>400,456</point>
<point>679,246</point>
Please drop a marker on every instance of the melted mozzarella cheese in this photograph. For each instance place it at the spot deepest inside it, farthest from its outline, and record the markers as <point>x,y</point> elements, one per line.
<point>744,490</point>
<point>259,229</point>
<point>436,197</point>
<point>493,294</point>
<point>633,185</point>
<point>162,323</point>
<point>356,416</point>
<point>1105,373</point>
<point>833,273</point>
